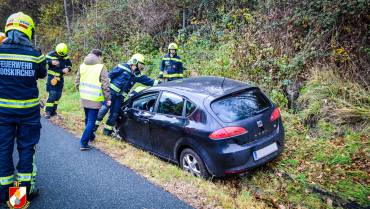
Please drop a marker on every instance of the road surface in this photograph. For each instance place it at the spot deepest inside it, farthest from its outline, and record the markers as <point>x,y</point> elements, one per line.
<point>71,179</point>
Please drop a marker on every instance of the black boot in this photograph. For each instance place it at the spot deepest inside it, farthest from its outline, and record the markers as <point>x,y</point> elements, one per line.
<point>92,137</point>
<point>35,193</point>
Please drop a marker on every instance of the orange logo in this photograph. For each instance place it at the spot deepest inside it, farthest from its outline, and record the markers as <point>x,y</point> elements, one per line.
<point>18,197</point>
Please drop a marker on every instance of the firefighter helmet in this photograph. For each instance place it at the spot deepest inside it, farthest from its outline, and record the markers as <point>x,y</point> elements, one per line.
<point>173,46</point>
<point>21,22</point>
<point>61,49</point>
<point>137,58</point>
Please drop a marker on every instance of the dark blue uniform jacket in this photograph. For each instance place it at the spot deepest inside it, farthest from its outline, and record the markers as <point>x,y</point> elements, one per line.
<point>56,70</point>
<point>20,67</point>
<point>172,65</point>
<point>122,79</point>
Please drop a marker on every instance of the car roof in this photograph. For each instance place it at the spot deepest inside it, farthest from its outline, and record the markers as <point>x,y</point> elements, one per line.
<point>203,86</point>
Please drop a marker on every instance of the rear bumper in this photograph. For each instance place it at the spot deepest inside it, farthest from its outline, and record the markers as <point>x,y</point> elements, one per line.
<point>236,158</point>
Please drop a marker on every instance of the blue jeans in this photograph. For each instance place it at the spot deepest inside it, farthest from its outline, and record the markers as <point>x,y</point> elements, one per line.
<point>90,118</point>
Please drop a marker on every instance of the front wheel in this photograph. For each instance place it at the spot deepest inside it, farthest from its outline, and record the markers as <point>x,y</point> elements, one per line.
<point>191,162</point>
<point>116,133</point>
<point>118,130</point>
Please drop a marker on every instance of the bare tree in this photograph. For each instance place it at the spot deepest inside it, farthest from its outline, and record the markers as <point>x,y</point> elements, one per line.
<point>67,21</point>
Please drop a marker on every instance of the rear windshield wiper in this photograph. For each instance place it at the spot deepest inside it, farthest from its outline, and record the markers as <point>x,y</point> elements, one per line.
<point>261,111</point>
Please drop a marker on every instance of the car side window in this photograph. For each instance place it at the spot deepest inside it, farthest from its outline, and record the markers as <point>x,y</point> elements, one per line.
<point>171,104</point>
<point>145,102</point>
<point>189,108</point>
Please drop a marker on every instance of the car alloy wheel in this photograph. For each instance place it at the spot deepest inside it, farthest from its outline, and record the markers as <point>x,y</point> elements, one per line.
<point>191,162</point>
<point>191,165</point>
<point>115,133</point>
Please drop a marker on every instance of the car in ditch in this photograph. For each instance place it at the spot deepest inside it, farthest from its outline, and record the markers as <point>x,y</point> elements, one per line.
<point>210,126</point>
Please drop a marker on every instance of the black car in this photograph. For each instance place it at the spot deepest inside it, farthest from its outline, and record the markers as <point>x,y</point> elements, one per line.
<point>209,125</point>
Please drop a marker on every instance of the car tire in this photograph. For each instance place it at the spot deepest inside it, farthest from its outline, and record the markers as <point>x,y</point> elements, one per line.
<point>119,130</point>
<point>192,163</point>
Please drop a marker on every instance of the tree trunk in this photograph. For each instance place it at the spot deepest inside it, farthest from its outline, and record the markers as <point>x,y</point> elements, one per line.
<point>67,21</point>
<point>73,12</point>
<point>184,19</point>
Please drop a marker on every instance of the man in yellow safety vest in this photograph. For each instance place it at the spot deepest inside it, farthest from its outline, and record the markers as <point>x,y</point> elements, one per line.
<point>93,84</point>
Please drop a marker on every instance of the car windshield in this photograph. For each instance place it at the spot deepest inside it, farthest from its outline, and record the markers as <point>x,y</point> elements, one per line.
<point>240,106</point>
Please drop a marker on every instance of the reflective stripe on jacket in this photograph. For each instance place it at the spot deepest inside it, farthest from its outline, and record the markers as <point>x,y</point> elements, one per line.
<point>119,75</point>
<point>20,67</point>
<point>90,86</point>
<point>122,79</point>
<point>171,67</point>
<point>56,70</point>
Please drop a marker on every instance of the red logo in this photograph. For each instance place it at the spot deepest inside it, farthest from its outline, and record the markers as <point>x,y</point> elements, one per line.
<point>18,197</point>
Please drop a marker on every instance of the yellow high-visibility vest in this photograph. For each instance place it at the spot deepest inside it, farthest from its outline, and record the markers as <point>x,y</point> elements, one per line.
<point>90,85</point>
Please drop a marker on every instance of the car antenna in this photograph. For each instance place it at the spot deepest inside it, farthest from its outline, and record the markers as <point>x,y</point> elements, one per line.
<point>222,84</point>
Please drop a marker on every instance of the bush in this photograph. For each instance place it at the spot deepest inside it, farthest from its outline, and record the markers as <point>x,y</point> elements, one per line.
<point>327,96</point>
<point>141,43</point>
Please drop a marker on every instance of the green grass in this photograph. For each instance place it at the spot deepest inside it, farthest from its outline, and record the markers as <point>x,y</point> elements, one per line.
<point>70,100</point>
<point>289,162</point>
<point>354,191</point>
<point>73,106</point>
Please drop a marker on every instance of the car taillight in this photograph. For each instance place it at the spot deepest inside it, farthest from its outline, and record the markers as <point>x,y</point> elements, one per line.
<point>275,114</point>
<point>227,132</point>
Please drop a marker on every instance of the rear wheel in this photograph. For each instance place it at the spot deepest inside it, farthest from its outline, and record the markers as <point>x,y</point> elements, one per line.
<point>191,162</point>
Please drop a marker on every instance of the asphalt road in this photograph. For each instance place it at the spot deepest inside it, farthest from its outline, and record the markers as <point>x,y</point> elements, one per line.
<point>71,179</point>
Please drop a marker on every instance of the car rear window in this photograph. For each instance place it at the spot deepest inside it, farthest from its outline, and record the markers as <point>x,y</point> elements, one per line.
<point>240,105</point>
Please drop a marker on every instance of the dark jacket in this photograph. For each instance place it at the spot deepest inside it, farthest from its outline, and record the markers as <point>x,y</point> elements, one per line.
<point>171,65</point>
<point>92,59</point>
<point>20,67</point>
<point>56,70</point>
<point>122,79</point>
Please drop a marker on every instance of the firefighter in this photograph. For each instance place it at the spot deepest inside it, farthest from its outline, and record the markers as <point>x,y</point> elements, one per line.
<point>93,84</point>
<point>21,66</point>
<point>2,37</point>
<point>171,66</point>
<point>123,77</point>
<point>59,65</point>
